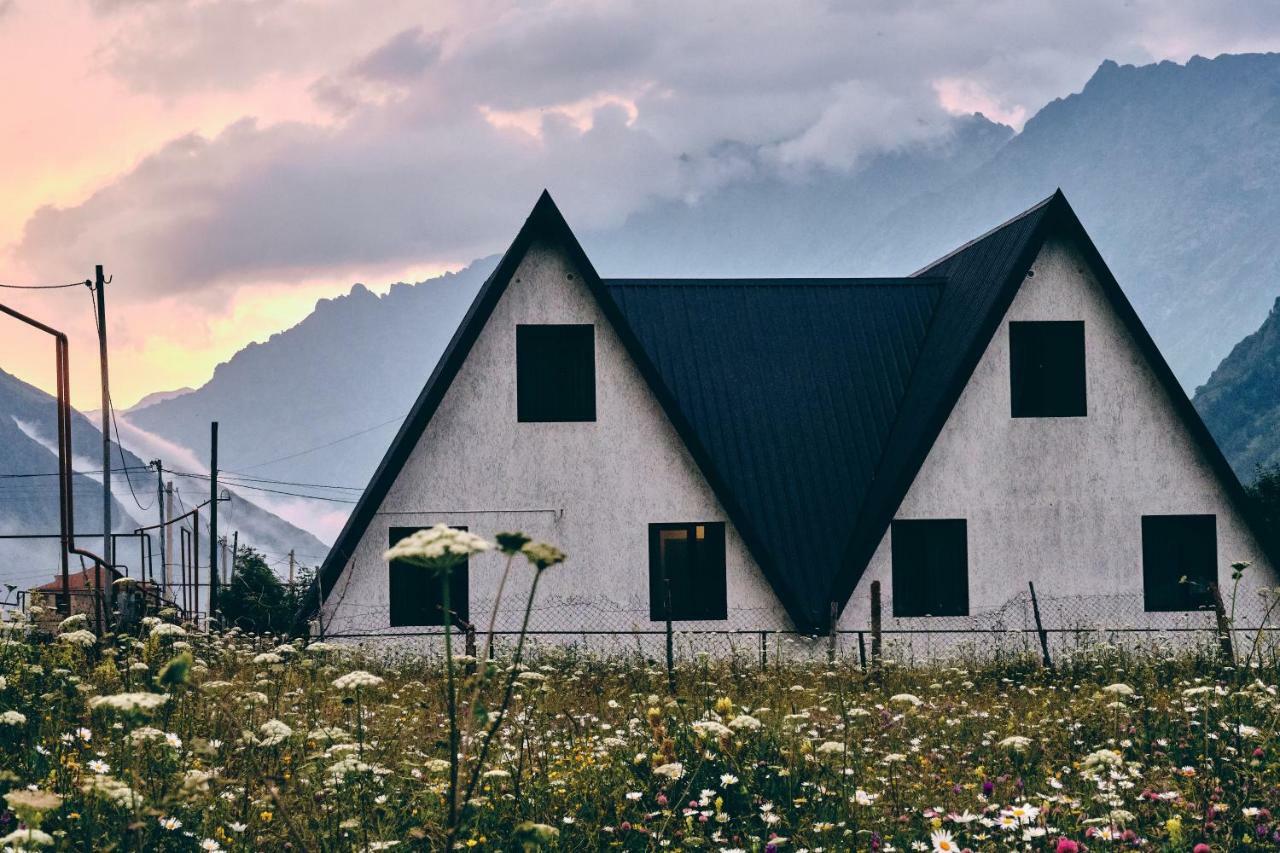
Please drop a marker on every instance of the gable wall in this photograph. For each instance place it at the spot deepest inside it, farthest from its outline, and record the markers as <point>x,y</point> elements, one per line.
<point>1059,501</point>
<point>604,482</point>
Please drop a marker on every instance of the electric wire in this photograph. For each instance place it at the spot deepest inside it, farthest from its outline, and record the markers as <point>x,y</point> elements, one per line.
<point>84,283</point>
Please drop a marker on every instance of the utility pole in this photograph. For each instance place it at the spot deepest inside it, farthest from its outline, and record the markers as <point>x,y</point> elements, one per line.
<point>99,289</point>
<point>160,531</point>
<point>290,568</point>
<point>213,518</point>
<point>235,553</point>
<point>222,550</point>
<point>168,540</point>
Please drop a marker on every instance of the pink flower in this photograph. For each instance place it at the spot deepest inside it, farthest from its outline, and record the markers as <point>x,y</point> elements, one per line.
<point>1066,845</point>
<point>1201,848</point>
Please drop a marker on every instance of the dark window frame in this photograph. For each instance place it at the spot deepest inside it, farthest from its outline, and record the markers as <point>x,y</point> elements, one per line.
<point>1048,369</point>
<point>701,596</point>
<point>922,561</point>
<point>1170,551</point>
<point>555,372</point>
<point>415,600</point>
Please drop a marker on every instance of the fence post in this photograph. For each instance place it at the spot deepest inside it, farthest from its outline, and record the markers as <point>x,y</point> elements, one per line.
<point>862,651</point>
<point>875,624</point>
<point>471,648</point>
<point>764,650</point>
<point>831,641</point>
<point>1224,625</point>
<point>671,657</point>
<point>1044,635</point>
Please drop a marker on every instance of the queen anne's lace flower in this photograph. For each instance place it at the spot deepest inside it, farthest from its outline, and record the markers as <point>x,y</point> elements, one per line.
<point>129,702</point>
<point>358,678</point>
<point>13,718</point>
<point>274,732</point>
<point>81,637</point>
<point>167,629</point>
<point>438,546</point>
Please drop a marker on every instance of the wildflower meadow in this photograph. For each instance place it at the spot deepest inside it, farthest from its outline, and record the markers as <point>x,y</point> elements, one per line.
<point>167,738</point>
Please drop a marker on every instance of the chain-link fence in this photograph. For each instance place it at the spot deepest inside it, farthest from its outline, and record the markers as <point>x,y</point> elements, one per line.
<point>1066,625</point>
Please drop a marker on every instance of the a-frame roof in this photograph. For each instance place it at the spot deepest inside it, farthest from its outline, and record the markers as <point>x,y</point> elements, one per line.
<point>809,405</point>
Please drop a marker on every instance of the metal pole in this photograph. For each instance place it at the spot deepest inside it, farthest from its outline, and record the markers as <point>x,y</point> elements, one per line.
<point>235,552</point>
<point>195,564</point>
<point>64,478</point>
<point>161,531</point>
<point>99,289</point>
<point>167,532</point>
<point>213,518</point>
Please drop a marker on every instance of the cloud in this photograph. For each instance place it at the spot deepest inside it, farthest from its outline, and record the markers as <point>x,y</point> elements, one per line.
<point>444,125</point>
<point>405,55</point>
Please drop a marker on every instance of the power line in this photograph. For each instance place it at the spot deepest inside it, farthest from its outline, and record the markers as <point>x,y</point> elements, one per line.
<point>237,479</point>
<point>264,489</point>
<point>320,446</point>
<point>84,283</point>
<point>56,474</point>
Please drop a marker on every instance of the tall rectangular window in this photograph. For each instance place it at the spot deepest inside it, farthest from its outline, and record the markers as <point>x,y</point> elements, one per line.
<point>416,597</point>
<point>1047,369</point>
<point>555,373</point>
<point>930,567</point>
<point>1179,561</point>
<point>687,568</point>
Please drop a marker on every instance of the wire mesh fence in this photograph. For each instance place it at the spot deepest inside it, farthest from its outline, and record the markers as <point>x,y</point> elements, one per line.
<point>1067,625</point>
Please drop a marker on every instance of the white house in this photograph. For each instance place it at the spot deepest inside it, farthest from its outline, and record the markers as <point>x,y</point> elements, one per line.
<point>753,454</point>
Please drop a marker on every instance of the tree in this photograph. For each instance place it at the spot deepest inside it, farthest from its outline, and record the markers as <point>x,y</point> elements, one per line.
<point>1265,495</point>
<point>255,600</point>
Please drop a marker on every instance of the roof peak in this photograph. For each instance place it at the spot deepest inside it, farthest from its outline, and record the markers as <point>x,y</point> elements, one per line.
<point>1057,198</point>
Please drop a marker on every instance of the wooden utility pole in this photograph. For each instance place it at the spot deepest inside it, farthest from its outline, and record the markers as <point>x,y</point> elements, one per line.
<point>99,290</point>
<point>167,532</point>
<point>213,518</point>
<point>222,549</point>
<point>160,531</point>
<point>235,553</point>
<point>291,568</point>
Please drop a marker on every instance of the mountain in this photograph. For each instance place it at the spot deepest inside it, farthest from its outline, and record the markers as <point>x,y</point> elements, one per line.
<point>288,407</point>
<point>159,397</point>
<point>29,495</point>
<point>1171,167</point>
<point>1241,401</point>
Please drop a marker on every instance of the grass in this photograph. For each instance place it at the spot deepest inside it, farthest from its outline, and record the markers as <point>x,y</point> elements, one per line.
<point>256,748</point>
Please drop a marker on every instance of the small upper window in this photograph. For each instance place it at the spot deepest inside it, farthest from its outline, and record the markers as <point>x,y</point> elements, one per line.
<point>556,373</point>
<point>1046,369</point>
<point>416,593</point>
<point>1179,561</point>
<point>686,571</point>
<point>930,567</point>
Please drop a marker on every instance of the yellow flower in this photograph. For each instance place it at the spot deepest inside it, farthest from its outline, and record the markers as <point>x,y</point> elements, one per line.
<point>265,817</point>
<point>724,706</point>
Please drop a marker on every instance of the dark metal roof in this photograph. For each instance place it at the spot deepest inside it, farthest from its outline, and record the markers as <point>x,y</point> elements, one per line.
<point>808,404</point>
<point>790,388</point>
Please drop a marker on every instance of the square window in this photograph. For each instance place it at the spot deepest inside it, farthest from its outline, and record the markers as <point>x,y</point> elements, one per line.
<point>1175,547</point>
<point>687,567</point>
<point>416,592</point>
<point>930,567</point>
<point>1046,369</point>
<point>555,373</point>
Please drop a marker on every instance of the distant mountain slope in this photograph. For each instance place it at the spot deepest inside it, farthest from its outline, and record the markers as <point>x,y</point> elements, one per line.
<point>1172,168</point>
<point>29,496</point>
<point>355,362</point>
<point>1241,401</point>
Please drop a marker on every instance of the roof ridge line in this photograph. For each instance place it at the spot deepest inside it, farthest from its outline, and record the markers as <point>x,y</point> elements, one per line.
<point>826,281</point>
<point>984,235</point>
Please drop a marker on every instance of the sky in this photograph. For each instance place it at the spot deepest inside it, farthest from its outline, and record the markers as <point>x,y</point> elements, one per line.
<point>230,162</point>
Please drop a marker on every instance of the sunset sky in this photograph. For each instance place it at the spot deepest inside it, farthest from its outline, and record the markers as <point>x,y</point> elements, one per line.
<point>231,162</point>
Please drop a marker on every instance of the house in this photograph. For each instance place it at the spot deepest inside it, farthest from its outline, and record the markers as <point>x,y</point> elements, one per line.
<point>750,455</point>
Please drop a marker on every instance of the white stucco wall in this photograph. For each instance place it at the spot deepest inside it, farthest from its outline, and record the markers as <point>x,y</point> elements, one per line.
<point>1056,501</point>
<point>1059,501</point>
<point>590,488</point>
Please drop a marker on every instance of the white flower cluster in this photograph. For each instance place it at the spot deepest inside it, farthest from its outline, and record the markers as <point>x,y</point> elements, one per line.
<point>129,702</point>
<point>358,678</point>
<point>439,546</point>
<point>13,718</point>
<point>167,629</point>
<point>80,637</point>
<point>274,732</point>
